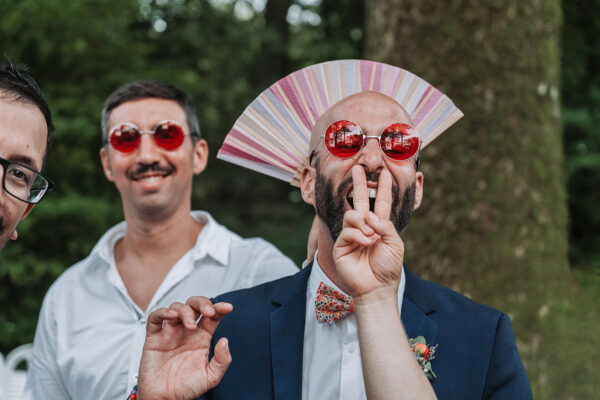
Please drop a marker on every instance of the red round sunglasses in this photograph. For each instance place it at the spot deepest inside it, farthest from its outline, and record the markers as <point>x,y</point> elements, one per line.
<point>344,139</point>
<point>126,137</point>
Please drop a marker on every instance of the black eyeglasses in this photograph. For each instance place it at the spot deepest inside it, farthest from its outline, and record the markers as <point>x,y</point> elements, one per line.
<point>23,182</point>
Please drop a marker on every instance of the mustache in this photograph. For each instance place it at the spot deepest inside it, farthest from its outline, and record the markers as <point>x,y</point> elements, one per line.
<point>371,177</point>
<point>154,167</point>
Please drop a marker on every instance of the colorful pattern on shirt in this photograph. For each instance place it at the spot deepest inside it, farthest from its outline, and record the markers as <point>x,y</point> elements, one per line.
<point>331,305</point>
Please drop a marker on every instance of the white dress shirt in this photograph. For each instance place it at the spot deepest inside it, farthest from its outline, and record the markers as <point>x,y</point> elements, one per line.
<point>90,333</point>
<point>331,367</point>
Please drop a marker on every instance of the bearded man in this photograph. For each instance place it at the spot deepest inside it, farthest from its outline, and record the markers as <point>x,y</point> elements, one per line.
<point>356,323</point>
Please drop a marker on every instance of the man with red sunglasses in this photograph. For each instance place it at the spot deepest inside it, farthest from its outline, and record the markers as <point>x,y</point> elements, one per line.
<point>25,134</point>
<point>92,323</point>
<point>355,324</point>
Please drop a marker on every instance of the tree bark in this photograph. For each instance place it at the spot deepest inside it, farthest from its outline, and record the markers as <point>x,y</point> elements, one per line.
<point>493,223</point>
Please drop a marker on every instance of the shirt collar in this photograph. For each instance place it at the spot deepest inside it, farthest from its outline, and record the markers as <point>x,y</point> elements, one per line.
<point>317,276</point>
<point>213,240</point>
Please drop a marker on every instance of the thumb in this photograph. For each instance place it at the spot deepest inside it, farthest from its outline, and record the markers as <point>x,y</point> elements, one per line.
<point>219,363</point>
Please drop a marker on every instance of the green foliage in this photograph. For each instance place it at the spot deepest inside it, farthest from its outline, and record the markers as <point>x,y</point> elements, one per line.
<point>581,118</point>
<point>82,50</point>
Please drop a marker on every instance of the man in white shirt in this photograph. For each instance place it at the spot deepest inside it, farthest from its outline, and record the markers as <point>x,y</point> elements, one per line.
<point>25,133</point>
<point>91,329</point>
<point>355,324</point>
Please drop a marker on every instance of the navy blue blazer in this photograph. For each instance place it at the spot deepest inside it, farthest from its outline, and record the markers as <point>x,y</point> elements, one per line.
<point>476,357</point>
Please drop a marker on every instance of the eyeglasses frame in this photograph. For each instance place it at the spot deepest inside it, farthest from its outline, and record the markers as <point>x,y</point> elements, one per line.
<point>4,162</point>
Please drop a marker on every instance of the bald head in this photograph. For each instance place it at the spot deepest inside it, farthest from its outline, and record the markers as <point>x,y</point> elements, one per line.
<point>355,108</point>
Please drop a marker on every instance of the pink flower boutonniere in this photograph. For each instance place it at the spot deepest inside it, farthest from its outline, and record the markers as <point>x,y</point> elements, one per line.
<point>423,355</point>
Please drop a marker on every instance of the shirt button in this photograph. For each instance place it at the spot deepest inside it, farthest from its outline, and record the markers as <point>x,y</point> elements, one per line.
<point>352,348</point>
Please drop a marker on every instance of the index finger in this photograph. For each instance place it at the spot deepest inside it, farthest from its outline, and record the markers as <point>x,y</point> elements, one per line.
<point>156,318</point>
<point>361,192</point>
<point>201,304</point>
<point>383,201</point>
<point>210,323</point>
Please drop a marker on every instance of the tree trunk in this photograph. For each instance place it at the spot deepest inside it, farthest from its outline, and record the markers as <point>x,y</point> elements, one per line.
<point>275,42</point>
<point>493,223</point>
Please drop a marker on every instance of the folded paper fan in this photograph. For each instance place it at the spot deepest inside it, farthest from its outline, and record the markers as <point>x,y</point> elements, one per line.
<point>272,135</point>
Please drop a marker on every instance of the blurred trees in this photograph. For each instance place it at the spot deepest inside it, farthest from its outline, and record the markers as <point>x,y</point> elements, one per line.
<point>493,223</point>
<point>222,52</point>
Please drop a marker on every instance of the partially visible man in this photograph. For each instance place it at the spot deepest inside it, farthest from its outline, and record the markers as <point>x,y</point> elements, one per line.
<point>25,133</point>
<point>162,253</point>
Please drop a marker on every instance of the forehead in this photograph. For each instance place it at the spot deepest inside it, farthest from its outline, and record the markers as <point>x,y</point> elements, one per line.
<point>23,133</point>
<point>369,106</point>
<point>146,113</point>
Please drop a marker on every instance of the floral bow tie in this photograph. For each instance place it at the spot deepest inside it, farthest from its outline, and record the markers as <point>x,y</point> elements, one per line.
<point>331,305</point>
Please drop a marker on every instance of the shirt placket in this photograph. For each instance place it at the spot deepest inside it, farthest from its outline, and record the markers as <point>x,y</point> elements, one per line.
<point>351,380</point>
<point>178,273</point>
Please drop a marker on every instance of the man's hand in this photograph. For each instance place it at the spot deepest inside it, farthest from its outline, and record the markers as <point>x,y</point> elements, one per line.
<point>369,252</point>
<point>175,362</point>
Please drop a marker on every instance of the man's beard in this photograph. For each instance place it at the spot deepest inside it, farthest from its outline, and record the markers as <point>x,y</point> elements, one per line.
<point>330,208</point>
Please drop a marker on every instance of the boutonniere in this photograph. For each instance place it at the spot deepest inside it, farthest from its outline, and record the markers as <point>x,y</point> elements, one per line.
<point>423,354</point>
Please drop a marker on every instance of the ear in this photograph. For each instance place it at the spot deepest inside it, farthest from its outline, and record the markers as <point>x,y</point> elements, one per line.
<point>418,189</point>
<point>106,164</point>
<point>307,185</point>
<point>14,234</point>
<point>200,156</point>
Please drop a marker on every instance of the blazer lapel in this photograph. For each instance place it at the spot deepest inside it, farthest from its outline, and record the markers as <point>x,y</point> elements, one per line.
<point>287,337</point>
<point>416,306</point>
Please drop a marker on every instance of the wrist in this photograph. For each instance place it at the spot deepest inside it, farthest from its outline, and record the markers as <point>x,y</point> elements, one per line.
<point>376,302</point>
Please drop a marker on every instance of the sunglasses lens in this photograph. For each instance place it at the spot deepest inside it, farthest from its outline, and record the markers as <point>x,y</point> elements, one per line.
<point>343,139</point>
<point>399,141</point>
<point>125,138</point>
<point>168,135</point>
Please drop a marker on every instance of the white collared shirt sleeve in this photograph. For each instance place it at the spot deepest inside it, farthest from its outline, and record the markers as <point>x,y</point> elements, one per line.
<point>268,263</point>
<point>43,379</point>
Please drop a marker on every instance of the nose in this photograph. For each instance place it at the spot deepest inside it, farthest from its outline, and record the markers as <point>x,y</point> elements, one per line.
<point>147,152</point>
<point>371,156</point>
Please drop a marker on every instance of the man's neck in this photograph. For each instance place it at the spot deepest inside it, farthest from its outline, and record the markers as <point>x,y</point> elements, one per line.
<point>325,258</point>
<point>161,235</point>
<point>150,248</point>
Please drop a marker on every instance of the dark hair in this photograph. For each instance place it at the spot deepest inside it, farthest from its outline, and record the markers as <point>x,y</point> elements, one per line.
<point>16,84</point>
<point>144,89</point>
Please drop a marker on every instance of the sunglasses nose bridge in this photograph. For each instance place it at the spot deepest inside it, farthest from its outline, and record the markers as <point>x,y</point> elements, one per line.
<point>371,155</point>
<point>147,150</point>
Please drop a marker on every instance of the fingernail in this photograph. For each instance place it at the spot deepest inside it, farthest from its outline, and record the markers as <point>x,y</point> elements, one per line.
<point>374,216</point>
<point>191,322</point>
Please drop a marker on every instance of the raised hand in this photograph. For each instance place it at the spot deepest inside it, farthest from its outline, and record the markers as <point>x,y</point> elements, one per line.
<point>369,252</point>
<point>175,363</point>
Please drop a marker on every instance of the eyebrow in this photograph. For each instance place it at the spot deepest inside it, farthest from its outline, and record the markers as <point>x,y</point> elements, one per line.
<point>23,159</point>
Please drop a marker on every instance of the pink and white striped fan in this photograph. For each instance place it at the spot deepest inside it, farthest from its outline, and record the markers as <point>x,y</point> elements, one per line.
<point>272,135</point>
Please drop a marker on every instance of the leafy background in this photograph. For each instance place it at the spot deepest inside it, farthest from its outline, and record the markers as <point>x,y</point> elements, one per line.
<point>223,53</point>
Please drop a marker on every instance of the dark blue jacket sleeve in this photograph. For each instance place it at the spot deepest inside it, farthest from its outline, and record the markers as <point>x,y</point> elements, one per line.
<point>506,377</point>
